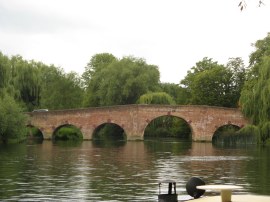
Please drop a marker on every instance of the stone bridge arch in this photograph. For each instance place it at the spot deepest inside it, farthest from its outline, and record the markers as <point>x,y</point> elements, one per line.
<point>103,124</point>
<point>167,115</point>
<point>203,120</point>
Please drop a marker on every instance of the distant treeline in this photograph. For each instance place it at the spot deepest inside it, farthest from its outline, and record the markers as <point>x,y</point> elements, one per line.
<point>107,80</point>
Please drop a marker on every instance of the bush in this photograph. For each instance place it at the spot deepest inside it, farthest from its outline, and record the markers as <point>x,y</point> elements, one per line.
<point>264,132</point>
<point>68,133</point>
<point>12,121</point>
<point>229,135</point>
<point>109,132</point>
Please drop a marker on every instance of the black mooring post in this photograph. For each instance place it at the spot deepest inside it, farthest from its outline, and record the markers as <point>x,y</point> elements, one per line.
<point>170,188</point>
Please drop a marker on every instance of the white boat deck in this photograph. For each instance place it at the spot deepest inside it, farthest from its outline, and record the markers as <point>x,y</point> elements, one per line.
<point>235,198</point>
<point>227,196</point>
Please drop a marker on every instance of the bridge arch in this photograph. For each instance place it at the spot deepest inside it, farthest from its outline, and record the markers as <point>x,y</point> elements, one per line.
<point>227,129</point>
<point>112,129</point>
<point>34,132</point>
<point>182,129</point>
<point>75,132</point>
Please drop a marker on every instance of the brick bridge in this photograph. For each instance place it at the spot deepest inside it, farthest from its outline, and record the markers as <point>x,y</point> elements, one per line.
<point>203,120</point>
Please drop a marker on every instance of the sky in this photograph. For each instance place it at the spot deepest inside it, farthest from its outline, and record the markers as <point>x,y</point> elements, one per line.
<point>172,34</point>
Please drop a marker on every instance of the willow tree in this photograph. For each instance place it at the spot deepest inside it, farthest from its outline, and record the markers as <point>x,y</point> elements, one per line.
<point>156,98</point>
<point>3,70</point>
<point>121,82</point>
<point>255,96</point>
<point>12,120</point>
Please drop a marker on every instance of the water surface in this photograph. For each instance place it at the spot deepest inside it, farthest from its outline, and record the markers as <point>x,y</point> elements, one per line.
<point>125,171</point>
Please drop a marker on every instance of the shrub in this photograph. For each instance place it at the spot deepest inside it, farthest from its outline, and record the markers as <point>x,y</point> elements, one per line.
<point>12,120</point>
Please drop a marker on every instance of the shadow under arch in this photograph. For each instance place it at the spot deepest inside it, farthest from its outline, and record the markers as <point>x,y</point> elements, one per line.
<point>168,126</point>
<point>67,132</point>
<point>109,131</point>
<point>34,134</point>
<point>226,135</point>
<point>109,135</point>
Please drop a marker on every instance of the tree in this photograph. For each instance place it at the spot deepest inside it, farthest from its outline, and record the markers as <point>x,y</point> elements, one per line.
<point>211,87</point>
<point>179,94</point>
<point>121,82</point>
<point>210,83</point>
<point>3,71</point>
<point>96,64</point>
<point>156,98</point>
<point>255,96</point>
<point>60,90</point>
<point>27,82</point>
<point>262,49</point>
<point>239,76</point>
<point>12,120</point>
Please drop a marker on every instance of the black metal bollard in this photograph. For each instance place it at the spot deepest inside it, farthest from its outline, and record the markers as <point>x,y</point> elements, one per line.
<point>170,196</point>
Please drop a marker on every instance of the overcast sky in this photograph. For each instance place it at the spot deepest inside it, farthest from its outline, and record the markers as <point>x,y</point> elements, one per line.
<point>172,34</point>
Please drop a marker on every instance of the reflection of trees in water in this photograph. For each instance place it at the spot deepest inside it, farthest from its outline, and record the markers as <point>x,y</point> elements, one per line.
<point>215,165</point>
<point>257,170</point>
<point>130,172</point>
<point>172,145</point>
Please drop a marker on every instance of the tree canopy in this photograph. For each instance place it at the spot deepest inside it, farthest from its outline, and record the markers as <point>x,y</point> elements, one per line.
<point>121,82</point>
<point>210,83</point>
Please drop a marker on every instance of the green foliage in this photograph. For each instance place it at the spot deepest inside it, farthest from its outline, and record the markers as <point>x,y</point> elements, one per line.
<point>179,94</point>
<point>109,132</point>
<point>121,82</point>
<point>35,85</point>
<point>60,90</point>
<point>4,62</point>
<point>156,98</point>
<point>265,132</point>
<point>168,126</point>
<point>212,84</point>
<point>262,47</point>
<point>249,130</point>
<point>27,81</point>
<point>12,120</point>
<point>34,132</point>
<point>96,64</point>
<point>68,133</point>
<point>255,97</point>
<point>230,135</point>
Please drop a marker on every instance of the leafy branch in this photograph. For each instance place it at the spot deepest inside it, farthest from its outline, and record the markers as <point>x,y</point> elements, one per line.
<point>242,4</point>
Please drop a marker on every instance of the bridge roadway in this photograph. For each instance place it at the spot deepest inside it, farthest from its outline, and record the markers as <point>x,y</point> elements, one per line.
<point>203,120</point>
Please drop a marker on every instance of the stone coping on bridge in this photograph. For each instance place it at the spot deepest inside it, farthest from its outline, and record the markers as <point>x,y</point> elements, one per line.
<point>135,106</point>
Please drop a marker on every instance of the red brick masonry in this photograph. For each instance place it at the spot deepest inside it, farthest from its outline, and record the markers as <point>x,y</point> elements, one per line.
<point>203,120</point>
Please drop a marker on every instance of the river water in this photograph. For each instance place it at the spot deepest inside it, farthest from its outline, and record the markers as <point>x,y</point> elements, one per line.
<point>125,171</point>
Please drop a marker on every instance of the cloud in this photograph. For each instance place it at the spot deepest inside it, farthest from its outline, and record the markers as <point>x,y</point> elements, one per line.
<point>171,34</point>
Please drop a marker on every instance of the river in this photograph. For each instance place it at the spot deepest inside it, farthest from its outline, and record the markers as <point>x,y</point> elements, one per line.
<point>125,171</point>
